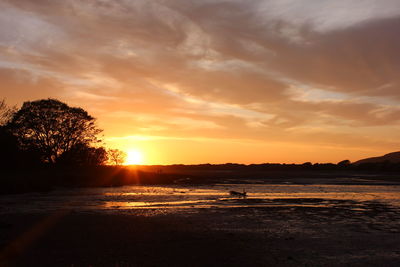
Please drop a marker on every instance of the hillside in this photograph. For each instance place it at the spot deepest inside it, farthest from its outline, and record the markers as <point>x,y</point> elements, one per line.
<point>393,157</point>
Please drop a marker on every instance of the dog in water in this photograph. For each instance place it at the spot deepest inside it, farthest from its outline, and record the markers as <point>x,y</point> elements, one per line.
<point>238,194</point>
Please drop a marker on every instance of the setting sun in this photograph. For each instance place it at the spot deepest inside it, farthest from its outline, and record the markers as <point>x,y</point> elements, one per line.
<point>134,157</point>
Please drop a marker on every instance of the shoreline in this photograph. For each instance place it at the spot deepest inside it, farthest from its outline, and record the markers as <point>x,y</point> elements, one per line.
<point>46,180</point>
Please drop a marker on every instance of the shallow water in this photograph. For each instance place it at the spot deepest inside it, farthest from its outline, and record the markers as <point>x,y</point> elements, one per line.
<point>191,198</point>
<point>284,225</point>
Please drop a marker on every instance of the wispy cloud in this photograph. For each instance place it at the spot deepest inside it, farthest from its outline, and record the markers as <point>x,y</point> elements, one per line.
<point>251,70</point>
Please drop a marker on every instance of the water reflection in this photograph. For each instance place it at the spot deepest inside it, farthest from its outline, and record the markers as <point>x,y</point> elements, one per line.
<point>200,197</point>
<point>258,196</point>
<point>164,204</point>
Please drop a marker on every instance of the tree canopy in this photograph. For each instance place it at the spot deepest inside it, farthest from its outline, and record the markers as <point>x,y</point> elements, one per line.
<point>83,155</point>
<point>53,128</point>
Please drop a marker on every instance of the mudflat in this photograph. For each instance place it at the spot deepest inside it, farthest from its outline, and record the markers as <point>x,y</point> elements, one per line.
<point>293,232</point>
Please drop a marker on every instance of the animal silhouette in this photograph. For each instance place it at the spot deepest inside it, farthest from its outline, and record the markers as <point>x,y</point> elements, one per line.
<point>238,194</point>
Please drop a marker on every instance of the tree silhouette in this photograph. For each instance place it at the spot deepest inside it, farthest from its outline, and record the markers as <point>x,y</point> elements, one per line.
<point>116,156</point>
<point>83,155</point>
<point>52,128</point>
<point>9,153</point>
<point>6,112</point>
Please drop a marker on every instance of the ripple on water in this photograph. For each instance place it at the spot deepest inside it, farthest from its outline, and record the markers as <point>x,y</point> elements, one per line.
<point>178,198</point>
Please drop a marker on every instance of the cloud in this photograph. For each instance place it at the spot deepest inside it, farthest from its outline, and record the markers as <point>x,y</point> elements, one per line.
<point>251,70</point>
<point>324,16</point>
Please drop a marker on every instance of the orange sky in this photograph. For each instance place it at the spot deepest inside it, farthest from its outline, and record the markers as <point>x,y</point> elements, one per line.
<point>214,81</point>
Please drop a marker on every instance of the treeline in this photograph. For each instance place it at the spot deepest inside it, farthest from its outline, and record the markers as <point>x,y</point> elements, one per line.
<point>49,132</point>
<point>344,165</point>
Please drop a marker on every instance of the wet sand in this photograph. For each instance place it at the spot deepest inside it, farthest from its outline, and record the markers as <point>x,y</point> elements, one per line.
<point>294,233</point>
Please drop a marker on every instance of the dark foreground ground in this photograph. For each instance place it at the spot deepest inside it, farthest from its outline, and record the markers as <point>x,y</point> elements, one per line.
<point>292,234</point>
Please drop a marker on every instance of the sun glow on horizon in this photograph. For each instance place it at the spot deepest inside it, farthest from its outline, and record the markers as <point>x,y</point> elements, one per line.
<point>134,157</point>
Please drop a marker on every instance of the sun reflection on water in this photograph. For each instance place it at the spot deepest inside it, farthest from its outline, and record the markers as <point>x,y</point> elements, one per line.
<point>258,196</point>
<point>199,197</point>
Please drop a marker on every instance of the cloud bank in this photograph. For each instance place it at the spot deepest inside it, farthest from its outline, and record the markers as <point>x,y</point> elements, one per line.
<point>321,73</point>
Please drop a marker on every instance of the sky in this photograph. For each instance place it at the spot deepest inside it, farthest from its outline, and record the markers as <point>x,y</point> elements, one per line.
<point>212,81</point>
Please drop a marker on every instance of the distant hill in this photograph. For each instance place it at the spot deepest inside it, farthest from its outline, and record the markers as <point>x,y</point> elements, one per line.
<point>393,157</point>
